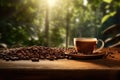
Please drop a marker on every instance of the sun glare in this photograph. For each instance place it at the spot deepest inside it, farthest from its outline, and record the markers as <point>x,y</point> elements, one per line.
<point>85,2</point>
<point>51,2</point>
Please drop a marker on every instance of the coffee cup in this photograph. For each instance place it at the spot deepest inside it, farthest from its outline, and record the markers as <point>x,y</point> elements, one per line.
<point>87,45</point>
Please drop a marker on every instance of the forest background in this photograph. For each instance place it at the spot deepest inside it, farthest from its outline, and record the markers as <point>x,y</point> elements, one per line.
<point>54,23</point>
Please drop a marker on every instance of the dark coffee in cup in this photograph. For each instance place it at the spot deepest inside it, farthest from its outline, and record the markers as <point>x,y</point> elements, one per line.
<point>85,45</point>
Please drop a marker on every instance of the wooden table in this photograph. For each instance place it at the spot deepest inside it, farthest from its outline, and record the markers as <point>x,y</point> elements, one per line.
<point>62,69</point>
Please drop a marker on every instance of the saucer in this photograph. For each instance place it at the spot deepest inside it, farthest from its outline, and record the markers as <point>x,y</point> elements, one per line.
<point>86,56</point>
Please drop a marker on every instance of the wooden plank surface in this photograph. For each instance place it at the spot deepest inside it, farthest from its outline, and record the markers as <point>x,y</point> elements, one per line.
<point>61,64</point>
<point>62,69</point>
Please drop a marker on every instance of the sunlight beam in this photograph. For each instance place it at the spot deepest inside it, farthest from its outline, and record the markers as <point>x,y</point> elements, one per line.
<point>85,2</point>
<point>51,3</point>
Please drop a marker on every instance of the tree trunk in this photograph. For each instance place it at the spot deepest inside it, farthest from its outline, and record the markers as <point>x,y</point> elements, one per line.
<point>67,28</point>
<point>47,27</point>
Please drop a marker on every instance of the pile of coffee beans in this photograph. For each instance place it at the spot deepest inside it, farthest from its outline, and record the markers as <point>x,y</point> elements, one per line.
<point>36,53</point>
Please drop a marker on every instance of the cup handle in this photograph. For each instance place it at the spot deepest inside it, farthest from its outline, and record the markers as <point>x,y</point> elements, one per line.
<point>101,47</point>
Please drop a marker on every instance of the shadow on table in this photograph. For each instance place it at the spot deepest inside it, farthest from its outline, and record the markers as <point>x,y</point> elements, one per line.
<point>103,62</point>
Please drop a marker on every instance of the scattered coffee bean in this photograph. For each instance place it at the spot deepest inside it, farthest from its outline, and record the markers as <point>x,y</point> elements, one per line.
<point>7,59</point>
<point>14,58</point>
<point>35,59</point>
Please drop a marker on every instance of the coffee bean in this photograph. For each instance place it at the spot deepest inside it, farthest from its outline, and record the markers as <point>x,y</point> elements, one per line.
<point>51,58</point>
<point>7,59</point>
<point>14,58</point>
<point>35,59</point>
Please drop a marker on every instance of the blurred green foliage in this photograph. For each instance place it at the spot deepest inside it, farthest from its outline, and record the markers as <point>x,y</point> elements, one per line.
<point>22,22</point>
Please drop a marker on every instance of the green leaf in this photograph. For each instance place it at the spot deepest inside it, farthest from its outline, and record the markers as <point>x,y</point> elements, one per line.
<point>107,1</point>
<point>107,16</point>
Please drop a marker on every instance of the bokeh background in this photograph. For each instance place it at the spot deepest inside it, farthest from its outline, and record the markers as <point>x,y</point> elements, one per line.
<point>54,23</point>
